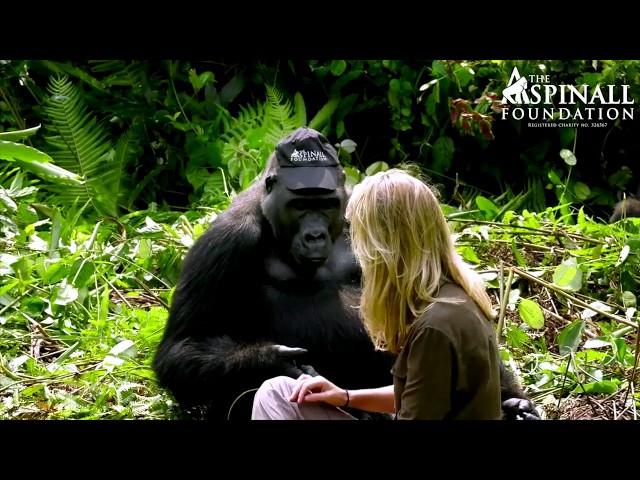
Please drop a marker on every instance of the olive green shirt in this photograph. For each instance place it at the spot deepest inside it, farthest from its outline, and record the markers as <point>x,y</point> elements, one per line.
<point>449,366</point>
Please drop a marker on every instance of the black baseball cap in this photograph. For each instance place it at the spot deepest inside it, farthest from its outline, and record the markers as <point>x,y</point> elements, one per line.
<point>307,160</point>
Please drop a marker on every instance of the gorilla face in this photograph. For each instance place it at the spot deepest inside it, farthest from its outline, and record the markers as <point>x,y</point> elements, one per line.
<point>305,222</point>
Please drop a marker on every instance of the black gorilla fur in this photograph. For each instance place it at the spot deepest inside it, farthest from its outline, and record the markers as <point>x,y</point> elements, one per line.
<point>255,283</point>
<point>629,207</point>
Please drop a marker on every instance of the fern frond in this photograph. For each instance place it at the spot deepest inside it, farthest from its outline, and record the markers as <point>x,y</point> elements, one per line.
<point>280,116</point>
<point>250,138</point>
<point>79,144</point>
<point>119,72</point>
<point>248,118</point>
<point>126,148</point>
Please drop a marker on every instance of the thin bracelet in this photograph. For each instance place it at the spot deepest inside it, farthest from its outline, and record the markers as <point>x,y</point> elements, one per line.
<point>347,403</point>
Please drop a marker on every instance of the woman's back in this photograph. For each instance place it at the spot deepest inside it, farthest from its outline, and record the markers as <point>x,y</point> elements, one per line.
<point>449,367</point>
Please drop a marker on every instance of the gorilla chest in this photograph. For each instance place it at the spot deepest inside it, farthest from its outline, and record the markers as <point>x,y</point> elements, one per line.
<point>314,310</point>
<point>309,307</point>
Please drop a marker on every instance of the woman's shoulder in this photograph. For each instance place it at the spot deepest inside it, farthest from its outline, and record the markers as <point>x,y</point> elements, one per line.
<point>458,309</point>
<point>451,290</point>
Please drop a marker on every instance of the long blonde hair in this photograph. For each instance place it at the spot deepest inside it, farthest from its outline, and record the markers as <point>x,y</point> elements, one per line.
<point>403,243</point>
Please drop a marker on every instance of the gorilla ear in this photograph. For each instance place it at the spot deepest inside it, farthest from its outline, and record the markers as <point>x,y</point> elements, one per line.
<point>269,181</point>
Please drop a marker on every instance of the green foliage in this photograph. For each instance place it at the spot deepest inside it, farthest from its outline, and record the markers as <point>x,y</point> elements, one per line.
<point>82,309</point>
<point>161,146</point>
<point>33,160</point>
<point>81,145</point>
<point>250,138</point>
<point>531,313</point>
<point>559,271</point>
<point>443,114</point>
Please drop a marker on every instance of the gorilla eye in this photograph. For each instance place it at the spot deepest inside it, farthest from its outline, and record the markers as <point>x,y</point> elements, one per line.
<point>314,204</point>
<point>298,205</point>
<point>330,203</point>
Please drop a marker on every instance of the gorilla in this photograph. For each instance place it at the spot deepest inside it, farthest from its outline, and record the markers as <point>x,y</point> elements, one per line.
<point>628,207</point>
<point>272,288</point>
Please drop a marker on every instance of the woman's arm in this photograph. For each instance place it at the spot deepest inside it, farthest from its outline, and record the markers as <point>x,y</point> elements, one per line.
<point>373,399</point>
<point>319,389</point>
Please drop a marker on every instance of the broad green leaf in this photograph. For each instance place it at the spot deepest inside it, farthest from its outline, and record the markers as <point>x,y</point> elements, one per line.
<point>81,272</point>
<point>628,299</point>
<point>628,281</point>
<point>568,275</point>
<point>442,150</point>
<point>395,85</point>
<point>324,114</point>
<point>349,146</point>
<point>22,267</point>
<point>300,108</point>
<point>144,249</point>
<point>581,190</point>
<point>338,67</point>
<point>517,338</point>
<point>376,167</point>
<point>18,134</point>
<point>33,390</point>
<point>469,254</point>
<point>531,313</point>
<point>566,135</point>
<point>486,205</point>
<point>50,172</point>
<point>464,76</point>
<point>54,272</point>
<point>634,245</point>
<point>568,157</point>
<point>353,176</point>
<point>199,81</point>
<point>12,151</point>
<point>619,347</point>
<point>604,386</point>
<point>569,338</point>
<point>554,178</point>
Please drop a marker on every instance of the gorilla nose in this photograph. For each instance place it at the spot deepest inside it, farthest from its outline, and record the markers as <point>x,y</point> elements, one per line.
<point>315,239</point>
<point>316,246</point>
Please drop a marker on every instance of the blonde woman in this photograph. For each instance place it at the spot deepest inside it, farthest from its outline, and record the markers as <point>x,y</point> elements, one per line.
<point>421,302</point>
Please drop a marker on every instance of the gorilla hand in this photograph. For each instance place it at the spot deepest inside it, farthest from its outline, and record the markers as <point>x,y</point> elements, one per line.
<point>289,354</point>
<point>309,370</point>
<point>519,409</point>
<point>284,351</point>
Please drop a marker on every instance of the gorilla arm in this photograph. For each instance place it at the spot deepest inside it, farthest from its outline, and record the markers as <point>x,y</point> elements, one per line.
<point>206,353</point>
<point>516,404</point>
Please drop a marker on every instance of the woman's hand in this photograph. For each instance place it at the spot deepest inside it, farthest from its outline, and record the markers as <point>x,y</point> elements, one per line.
<point>318,389</point>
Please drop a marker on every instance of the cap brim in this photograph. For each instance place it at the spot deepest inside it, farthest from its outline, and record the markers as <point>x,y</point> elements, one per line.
<point>296,178</point>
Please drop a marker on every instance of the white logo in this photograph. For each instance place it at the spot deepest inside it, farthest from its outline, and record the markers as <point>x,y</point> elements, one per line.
<point>308,156</point>
<point>516,91</point>
<point>535,98</point>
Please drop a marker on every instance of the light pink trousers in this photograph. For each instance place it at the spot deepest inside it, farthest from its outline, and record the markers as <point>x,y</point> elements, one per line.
<point>271,402</point>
